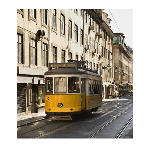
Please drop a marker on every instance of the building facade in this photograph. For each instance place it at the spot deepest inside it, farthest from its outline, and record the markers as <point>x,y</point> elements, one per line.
<point>56,36</point>
<point>123,64</point>
<point>33,42</point>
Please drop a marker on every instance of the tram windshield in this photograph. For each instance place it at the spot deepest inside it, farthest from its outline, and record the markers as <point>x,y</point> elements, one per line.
<point>73,85</point>
<point>60,84</point>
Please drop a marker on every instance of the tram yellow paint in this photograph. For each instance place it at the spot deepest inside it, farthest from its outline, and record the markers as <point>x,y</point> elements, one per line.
<point>93,101</point>
<point>68,100</point>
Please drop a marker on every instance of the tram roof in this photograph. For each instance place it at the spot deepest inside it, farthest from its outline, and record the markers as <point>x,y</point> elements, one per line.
<point>72,67</point>
<point>69,71</point>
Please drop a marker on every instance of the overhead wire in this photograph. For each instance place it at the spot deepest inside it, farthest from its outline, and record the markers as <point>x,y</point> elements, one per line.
<point>115,21</point>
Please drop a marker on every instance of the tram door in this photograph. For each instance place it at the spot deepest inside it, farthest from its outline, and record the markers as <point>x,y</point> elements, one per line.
<point>83,94</point>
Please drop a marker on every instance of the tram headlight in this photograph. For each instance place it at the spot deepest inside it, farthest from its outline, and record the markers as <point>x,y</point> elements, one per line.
<point>60,104</point>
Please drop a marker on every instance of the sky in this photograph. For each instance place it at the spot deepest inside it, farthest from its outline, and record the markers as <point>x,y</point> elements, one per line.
<point>124,20</point>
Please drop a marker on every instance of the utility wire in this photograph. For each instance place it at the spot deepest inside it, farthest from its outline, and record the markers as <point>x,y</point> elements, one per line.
<point>115,21</point>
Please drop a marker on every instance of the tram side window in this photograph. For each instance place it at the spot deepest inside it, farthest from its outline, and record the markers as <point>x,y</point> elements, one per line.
<point>94,86</point>
<point>98,91</point>
<point>73,85</point>
<point>100,87</point>
<point>60,85</point>
<point>91,86</point>
<point>49,85</point>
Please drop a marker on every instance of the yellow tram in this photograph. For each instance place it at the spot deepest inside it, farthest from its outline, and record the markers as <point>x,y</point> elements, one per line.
<point>71,89</point>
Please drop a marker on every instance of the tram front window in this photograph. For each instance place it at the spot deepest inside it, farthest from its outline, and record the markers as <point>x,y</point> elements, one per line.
<point>49,85</point>
<point>73,85</point>
<point>60,85</point>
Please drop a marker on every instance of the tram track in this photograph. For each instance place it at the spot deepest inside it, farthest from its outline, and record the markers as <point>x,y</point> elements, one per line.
<point>64,126</point>
<point>32,122</point>
<point>26,131</point>
<point>51,127</point>
<point>110,121</point>
<point>123,128</point>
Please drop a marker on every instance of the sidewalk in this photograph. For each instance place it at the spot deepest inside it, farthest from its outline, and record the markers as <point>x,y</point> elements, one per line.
<point>117,98</point>
<point>24,117</point>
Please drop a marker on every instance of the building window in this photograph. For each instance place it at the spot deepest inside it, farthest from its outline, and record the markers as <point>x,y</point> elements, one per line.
<point>93,22</point>
<point>19,48</point>
<point>102,51</point>
<point>63,56</point>
<point>94,66</point>
<point>33,52</point>
<point>45,55</point>
<point>96,51</point>
<point>87,64</point>
<point>85,16</point>
<point>44,16</point>
<point>86,40</point>
<point>89,19</point>
<point>70,29</point>
<point>99,49</point>
<point>106,53</point>
<point>81,12</point>
<point>70,55</point>
<point>77,57</point>
<point>81,58</point>
<point>62,24</point>
<point>96,26</point>
<point>90,44</point>
<point>93,44</point>
<point>32,13</point>
<point>81,38</point>
<point>99,28</point>
<point>54,18</point>
<point>76,33</point>
<point>54,54</point>
<point>91,65</point>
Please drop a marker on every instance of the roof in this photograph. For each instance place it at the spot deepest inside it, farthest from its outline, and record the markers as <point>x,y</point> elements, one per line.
<point>63,71</point>
<point>69,71</point>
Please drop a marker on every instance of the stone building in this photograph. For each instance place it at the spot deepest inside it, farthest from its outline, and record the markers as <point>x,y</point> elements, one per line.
<point>123,64</point>
<point>56,36</point>
<point>98,43</point>
<point>33,42</point>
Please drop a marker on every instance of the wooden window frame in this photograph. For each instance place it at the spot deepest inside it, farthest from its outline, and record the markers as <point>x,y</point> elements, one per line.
<point>33,60</point>
<point>76,33</point>
<point>19,43</point>
<point>54,19</point>
<point>62,24</point>
<point>44,17</point>
<point>45,54</point>
<point>55,54</point>
<point>70,29</point>
<point>63,56</point>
